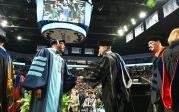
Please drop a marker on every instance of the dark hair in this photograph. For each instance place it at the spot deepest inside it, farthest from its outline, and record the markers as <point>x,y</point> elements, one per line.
<point>105,43</point>
<point>3,39</point>
<point>54,41</point>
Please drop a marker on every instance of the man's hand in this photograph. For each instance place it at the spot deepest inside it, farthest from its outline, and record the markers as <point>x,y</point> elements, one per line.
<point>38,93</point>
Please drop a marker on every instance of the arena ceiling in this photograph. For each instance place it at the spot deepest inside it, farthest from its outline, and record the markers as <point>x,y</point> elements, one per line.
<point>108,17</point>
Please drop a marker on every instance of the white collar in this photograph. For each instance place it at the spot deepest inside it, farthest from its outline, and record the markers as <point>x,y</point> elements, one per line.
<point>2,48</point>
<point>108,52</point>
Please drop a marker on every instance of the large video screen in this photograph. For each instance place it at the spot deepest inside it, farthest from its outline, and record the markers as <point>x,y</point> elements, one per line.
<point>64,10</point>
<point>71,16</point>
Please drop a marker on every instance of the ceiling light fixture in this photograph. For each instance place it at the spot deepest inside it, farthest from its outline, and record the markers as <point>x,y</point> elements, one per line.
<point>120,32</point>
<point>125,28</point>
<point>4,23</point>
<point>142,14</point>
<point>133,21</point>
<point>19,37</point>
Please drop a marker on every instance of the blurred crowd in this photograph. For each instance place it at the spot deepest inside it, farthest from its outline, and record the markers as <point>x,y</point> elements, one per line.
<point>83,98</point>
<point>140,71</point>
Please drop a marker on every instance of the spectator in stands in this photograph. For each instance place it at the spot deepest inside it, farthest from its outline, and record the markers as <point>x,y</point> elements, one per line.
<point>112,73</point>
<point>82,97</point>
<point>6,83</point>
<point>99,105</point>
<point>47,76</point>
<point>74,101</point>
<point>156,47</point>
<point>89,104</point>
<point>18,92</point>
<point>170,88</point>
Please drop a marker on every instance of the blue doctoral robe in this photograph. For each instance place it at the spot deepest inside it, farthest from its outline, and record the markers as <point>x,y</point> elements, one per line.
<point>6,85</point>
<point>3,79</point>
<point>47,72</point>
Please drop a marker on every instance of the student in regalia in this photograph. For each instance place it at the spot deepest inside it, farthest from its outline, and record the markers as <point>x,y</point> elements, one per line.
<point>48,78</point>
<point>111,71</point>
<point>6,84</point>
<point>157,47</point>
<point>170,87</point>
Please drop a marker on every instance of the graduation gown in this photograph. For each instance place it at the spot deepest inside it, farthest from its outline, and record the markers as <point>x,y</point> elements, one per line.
<point>171,73</point>
<point>112,73</point>
<point>6,84</point>
<point>156,82</point>
<point>47,72</point>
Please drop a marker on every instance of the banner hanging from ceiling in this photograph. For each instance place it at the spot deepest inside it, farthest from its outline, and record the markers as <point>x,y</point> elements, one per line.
<point>139,29</point>
<point>170,7</point>
<point>151,20</point>
<point>129,37</point>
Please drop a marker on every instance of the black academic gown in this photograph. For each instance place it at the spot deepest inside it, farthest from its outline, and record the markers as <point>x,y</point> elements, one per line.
<point>156,82</point>
<point>6,85</point>
<point>41,75</point>
<point>171,59</point>
<point>114,93</point>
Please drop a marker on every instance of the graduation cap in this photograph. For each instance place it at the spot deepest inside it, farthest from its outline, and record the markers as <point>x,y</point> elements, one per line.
<point>158,38</point>
<point>155,38</point>
<point>105,43</point>
<point>55,41</point>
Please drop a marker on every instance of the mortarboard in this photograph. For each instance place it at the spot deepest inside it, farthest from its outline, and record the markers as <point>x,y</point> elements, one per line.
<point>105,43</point>
<point>158,38</point>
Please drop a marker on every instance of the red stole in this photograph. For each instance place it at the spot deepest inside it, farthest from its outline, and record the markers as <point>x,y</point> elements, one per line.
<point>166,89</point>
